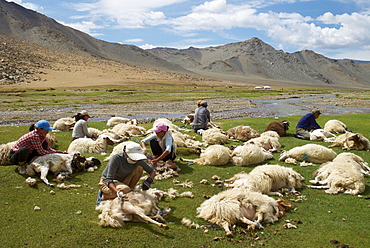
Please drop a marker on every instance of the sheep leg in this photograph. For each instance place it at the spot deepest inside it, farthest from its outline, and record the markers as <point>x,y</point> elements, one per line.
<point>44,172</point>
<point>318,187</point>
<point>225,226</point>
<point>275,193</point>
<point>150,220</point>
<point>251,224</point>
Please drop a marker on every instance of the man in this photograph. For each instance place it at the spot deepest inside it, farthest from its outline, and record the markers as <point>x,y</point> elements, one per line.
<point>201,117</point>
<point>123,172</point>
<point>306,124</point>
<point>31,145</point>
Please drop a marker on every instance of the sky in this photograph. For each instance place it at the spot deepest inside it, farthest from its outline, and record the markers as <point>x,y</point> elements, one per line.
<point>338,29</point>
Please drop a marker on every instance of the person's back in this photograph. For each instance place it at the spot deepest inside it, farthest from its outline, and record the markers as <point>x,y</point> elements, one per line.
<point>201,117</point>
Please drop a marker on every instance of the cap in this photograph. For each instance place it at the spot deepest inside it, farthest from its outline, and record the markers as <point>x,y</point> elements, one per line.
<point>160,127</point>
<point>204,103</point>
<point>316,111</point>
<point>44,125</point>
<point>84,112</point>
<point>198,102</point>
<point>134,151</point>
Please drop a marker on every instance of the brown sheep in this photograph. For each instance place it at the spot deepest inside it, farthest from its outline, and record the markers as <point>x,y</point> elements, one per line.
<point>280,127</point>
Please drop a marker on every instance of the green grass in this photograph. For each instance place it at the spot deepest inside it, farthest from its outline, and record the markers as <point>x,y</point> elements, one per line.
<point>320,217</point>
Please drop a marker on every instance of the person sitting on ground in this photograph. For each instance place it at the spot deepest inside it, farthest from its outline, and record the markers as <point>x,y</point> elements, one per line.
<point>201,117</point>
<point>306,124</point>
<point>31,145</point>
<point>162,144</point>
<point>123,172</point>
<point>80,128</point>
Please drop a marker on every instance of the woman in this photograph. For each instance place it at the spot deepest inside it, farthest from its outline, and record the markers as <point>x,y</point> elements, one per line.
<point>161,144</point>
<point>80,128</point>
<point>201,117</point>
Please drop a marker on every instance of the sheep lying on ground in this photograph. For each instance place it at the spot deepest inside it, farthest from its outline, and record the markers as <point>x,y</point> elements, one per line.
<point>335,126</point>
<point>351,157</point>
<point>214,155</point>
<point>182,140</point>
<point>64,124</point>
<point>249,154</point>
<point>267,179</point>
<point>188,119</point>
<point>116,138</point>
<point>4,152</point>
<point>167,122</point>
<point>117,149</point>
<point>139,206</point>
<point>214,136</point>
<point>321,135</point>
<point>87,145</point>
<point>351,141</point>
<point>242,133</point>
<point>268,143</point>
<point>56,163</point>
<point>343,175</point>
<point>280,127</point>
<point>310,153</point>
<point>128,130</point>
<point>233,206</point>
<point>117,120</point>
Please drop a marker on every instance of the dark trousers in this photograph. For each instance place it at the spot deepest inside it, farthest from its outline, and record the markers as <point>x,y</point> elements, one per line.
<point>24,155</point>
<point>157,151</point>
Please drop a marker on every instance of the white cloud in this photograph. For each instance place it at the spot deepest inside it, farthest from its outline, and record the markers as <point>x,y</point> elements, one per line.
<point>134,40</point>
<point>28,5</point>
<point>147,46</point>
<point>84,26</point>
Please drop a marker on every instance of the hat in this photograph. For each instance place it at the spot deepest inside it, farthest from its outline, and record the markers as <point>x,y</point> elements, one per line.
<point>134,151</point>
<point>160,127</point>
<point>198,102</point>
<point>316,111</point>
<point>44,125</point>
<point>84,112</point>
<point>204,103</point>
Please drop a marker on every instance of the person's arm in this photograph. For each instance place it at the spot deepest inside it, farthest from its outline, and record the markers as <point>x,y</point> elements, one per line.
<point>85,131</point>
<point>166,151</point>
<point>36,143</point>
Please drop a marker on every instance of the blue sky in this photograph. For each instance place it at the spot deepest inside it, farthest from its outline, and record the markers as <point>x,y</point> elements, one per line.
<point>333,28</point>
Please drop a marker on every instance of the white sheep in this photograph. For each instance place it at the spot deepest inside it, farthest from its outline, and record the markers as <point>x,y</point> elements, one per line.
<point>321,135</point>
<point>249,154</point>
<point>87,145</point>
<point>351,141</point>
<point>270,134</point>
<point>167,122</point>
<point>115,137</point>
<point>214,136</point>
<point>335,126</point>
<point>356,159</point>
<point>117,120</point>
<point>4,152</point>
<point>64,124</point>
<point>271,144</point>
<point>182,140</point>
<point>310,153</point>
<point>216,155</point>
<point>118,149</point>
<point>128,130</point>
<point>242,133</point>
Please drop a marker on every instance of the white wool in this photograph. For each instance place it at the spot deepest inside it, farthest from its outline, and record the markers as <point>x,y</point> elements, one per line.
<point>355,159</point>
<point>167,122</point>
<point>118,149</point>
<point>268,143</point>
<point>321,135</point>
<point>182,140</point>
<point>31,181</point>
<point>87,145</point>
<point>242,133</point>
<point>310,153</point>
<point>271,134</point>
<point>214,136</point>
<point>94,131</point>
<point>51,139</point>
<point>335,126</point>
<point>214,155</point>
<point>64,124</point>
<point>249,154</point>
<point>4,152</point>
<point>129,130</point>
<point>116,120</point>
<point>351,141</point>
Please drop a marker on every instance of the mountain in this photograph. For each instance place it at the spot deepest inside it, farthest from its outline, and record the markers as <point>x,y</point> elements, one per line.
<point>250,62</point>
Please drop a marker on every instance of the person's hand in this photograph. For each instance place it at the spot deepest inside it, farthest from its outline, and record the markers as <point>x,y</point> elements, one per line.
<point>155,161</point>
<point>120,194</point>
<point>146,184</point>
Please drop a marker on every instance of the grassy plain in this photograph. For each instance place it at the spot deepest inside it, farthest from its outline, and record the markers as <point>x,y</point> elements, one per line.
<point>69,219</point>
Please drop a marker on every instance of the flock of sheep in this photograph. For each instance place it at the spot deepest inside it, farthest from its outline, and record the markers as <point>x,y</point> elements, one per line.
<point>247,198</point>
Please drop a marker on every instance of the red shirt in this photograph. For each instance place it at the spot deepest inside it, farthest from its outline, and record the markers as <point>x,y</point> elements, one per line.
<point>33,141</point>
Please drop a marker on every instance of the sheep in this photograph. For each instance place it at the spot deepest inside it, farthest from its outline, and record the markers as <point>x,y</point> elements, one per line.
<point>64,124</point>
<point>351,157</point>
<point>167,122</point>
<point>268,143</point>
<point>339,177</point>
<point>233,206</point>
<point>242,133</point>
<point>117,120</point>
<point>335,127</point>
<point>87,145</point>
<point>321,135</point>
<point>280,127</point>
<point>270,134</point>
<point>4,152</point>
<point>249,154</point>
<point>188,119</point>
<point>128,130</point>
<point>51,139</point>
<point>139,206</point>
<point>310,153</point>
<point>216,155</point>
<point>267,179</point>
<point>117,149</point>
<point>214,136</point>
<point>351,141</point>
<point>182,140</point>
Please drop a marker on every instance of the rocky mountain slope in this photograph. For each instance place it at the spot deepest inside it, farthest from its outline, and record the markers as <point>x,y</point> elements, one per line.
<point>251,62</point>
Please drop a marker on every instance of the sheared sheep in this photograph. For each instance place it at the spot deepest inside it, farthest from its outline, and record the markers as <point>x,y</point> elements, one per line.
<point>213,155</point>
<point>310,153</point>
<point>214,136</point>
<point>356,159</point>
<point>64,124</point>
<point>280,127</point>
<point>249,154</point>
<point>128,130</point>
<point>87,145</point>
<point>233,206</point>
<point>335,126</point>
<point>321,135</point>
<point>4,153</point>
<point>268,143</point>
<point>139,206</point>
<point>267,179</point>
<point>242,133</point>
<point>351,141</point>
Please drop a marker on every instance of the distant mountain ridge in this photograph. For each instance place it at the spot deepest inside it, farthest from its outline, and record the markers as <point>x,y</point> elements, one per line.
<point>244,61</point>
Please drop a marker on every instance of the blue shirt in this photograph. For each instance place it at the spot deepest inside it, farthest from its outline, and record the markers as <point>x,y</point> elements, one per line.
<point>308,121</point>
